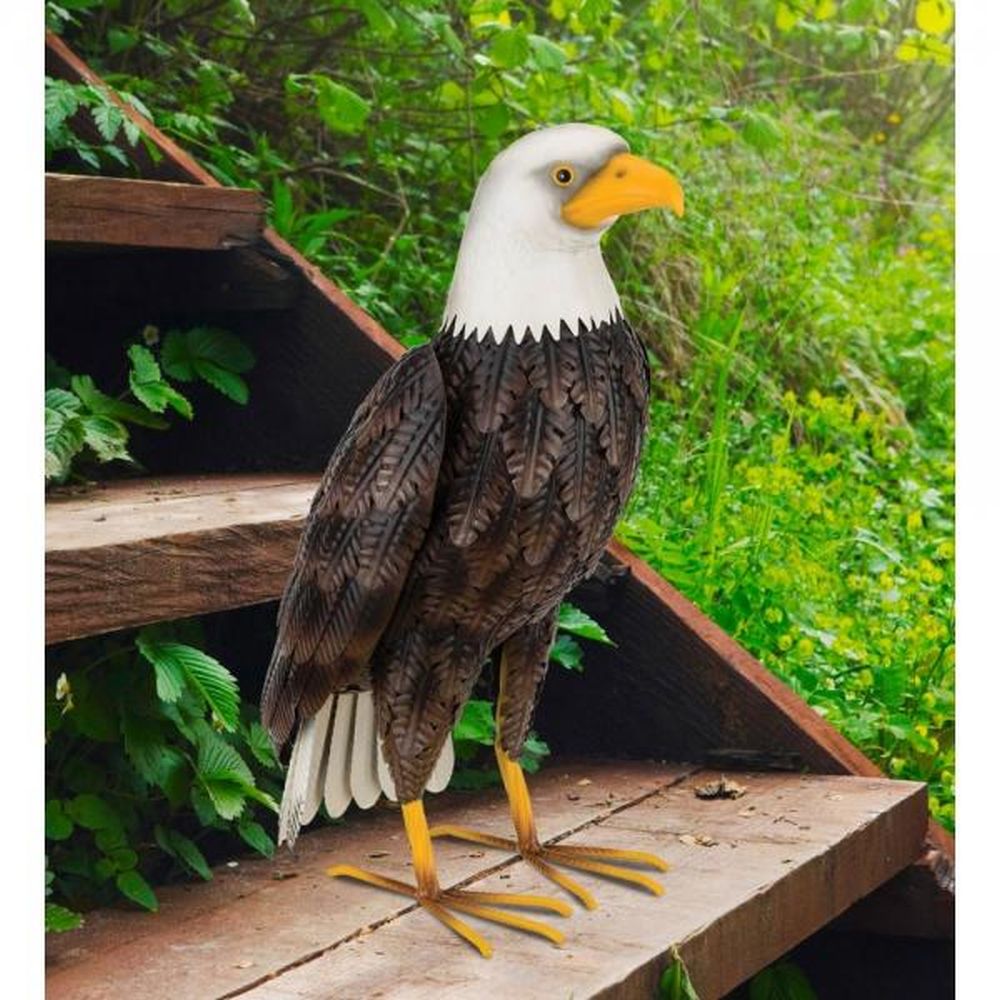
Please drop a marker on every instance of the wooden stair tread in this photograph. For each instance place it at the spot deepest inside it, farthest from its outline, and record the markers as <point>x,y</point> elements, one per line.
<point>167,547</point>
<point>790,855</point>
<point>112,211</point>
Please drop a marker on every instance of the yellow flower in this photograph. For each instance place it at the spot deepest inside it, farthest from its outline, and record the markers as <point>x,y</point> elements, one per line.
<point>893,117</point>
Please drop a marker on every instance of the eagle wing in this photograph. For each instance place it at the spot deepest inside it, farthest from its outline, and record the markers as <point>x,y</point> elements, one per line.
<point>368,519</point>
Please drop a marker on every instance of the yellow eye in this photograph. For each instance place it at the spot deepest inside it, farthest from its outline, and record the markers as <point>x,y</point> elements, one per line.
<point>563,175</point>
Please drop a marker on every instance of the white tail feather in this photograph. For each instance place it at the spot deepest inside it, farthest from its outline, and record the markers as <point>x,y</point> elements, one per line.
<point>337,758</point>
<point>338,779</point>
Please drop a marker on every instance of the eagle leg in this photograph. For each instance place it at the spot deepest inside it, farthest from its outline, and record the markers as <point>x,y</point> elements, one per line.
<point>522,670</point>
<point>443,903</point>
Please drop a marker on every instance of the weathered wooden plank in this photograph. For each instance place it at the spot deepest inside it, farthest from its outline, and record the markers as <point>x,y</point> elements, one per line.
<point>785,859</point>
<point>110,211</point>
<point>256,919</point>
<point>806,849</point>
<point>133,552</point>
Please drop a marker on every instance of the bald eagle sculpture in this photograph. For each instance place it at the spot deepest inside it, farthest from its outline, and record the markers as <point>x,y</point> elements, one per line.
<point>476,485</point>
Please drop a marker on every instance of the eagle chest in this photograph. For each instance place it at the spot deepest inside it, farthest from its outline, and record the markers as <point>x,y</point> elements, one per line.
<point>542,443</point>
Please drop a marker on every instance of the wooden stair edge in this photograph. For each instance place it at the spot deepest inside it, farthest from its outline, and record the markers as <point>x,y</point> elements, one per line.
<point>125,212</point>
<point>940,848</point>
<point>750,878</point>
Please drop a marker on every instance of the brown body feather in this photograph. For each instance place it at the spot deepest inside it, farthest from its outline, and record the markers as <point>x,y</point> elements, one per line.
<point>472,491</point>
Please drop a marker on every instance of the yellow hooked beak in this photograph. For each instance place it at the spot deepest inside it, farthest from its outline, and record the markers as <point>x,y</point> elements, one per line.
<point>625,184</point>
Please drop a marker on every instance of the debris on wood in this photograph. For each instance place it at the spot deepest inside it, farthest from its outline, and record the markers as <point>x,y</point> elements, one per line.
<point>697,840</point>
<point>722,788</point>
<point>378,854</point>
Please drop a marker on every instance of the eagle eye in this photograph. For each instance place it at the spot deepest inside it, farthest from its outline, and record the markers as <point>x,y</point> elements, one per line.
<point>563,175</point>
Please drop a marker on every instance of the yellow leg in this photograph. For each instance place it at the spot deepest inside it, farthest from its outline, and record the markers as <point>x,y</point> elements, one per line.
<point>440,903</point>
<point>542,858</point>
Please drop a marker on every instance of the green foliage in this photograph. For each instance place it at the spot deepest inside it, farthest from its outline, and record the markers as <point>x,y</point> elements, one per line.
<point>82,422</point>
<point>675,983</point>
<point>152,764</point>
<point>476,729</point>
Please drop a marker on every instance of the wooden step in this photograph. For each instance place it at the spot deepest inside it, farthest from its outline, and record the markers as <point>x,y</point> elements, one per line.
<point>750,878</point>
<point>111,211</point>
<point>137,551</point>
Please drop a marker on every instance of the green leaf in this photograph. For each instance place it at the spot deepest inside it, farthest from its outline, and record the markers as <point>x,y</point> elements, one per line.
<point>228,383</point>
<point>675,983</point>
<point>341,109</point>
<point>761,131</point>
<point>547,55</point>
<point>379,19</point>
<point>108,118</point>
<point>59,919</point>
<point>61,102</point>
<point>63,441</point>
<point>567,653</point>
<point>177,664</point>
<point>782,981</point>
<point>228,797</point>
<point>256,836</point>
<point>169,672</point>
<point>136,888</point>
<point>188,852</point>
<point>492,120</point>
<point>107,406</point>
<point>93,813</point>
<point>62,402</point>
<point>476,724</point>
<point>207,343</point>
<point>106,436</point>
<point>219,761</point>
<point>509,48</point>
<point>259,742</point>
<point>58,826</point>
<point>576,622</point>
<point>148,386</point>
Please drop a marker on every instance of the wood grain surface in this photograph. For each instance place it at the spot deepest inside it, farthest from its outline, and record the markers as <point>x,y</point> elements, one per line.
<point>110,211</point>
<point>139,551</point>
<point>750,878</point>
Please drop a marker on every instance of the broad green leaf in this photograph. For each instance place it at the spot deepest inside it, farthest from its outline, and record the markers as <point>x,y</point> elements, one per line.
<point>282,218</point>
<point>106,436</point>
<point>782,981</point>
<point>379,19</point>
<point>59,918</point>
<point>228,797</point>
<point>228,383</point>
<point>177,664</point>
<point>58,826</point>
<point>259,742</point>
<point>256,836</point>
<point>567,653</point>
<point>107,406</point>
<point>63,440</point>
<point>61,102</point>
<point>123,858</point>
<point>206,343</point>
<point>476,724</point>
<point>92,812</point>
<point>136,888</point>
<point>675,983</point>
<point>62,402</point>
<point>342,109</point>
<point>573,620</point>
<point>509,48</point>
<point>219,761</point>
<point>547,55</point>
<point>169,672</point>
<point>189,853</point>
<point>492,120</point>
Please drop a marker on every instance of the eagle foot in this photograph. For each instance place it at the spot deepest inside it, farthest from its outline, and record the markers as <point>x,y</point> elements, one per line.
<point>442,904</point>
<point>595,860</point>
